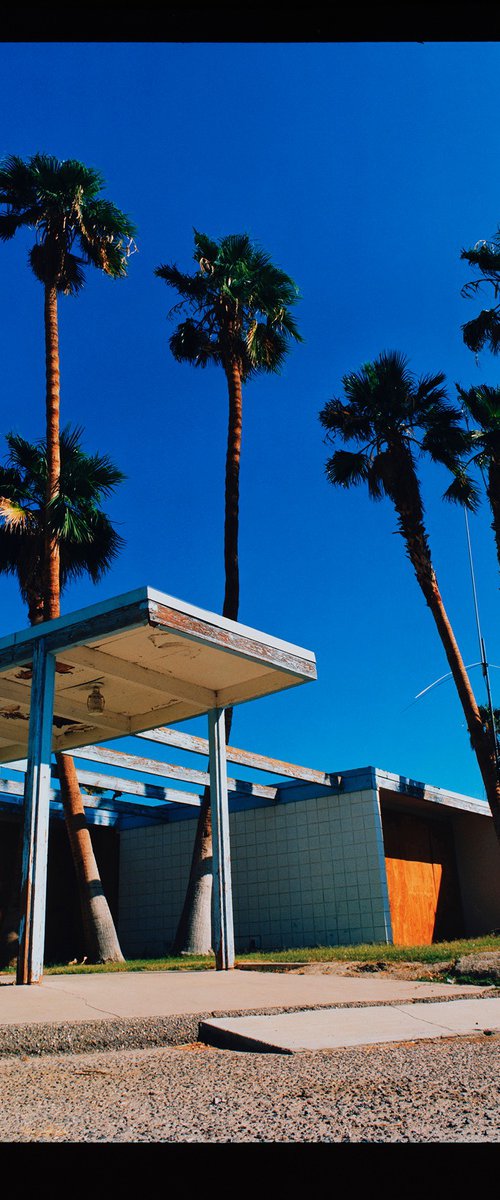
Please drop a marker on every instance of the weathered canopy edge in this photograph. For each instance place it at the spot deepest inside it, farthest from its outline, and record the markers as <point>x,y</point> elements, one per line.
<point>139,599</point>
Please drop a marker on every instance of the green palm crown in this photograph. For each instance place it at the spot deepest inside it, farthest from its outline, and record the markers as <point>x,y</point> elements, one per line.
<point>88,542</point>
<point>484,330</point>
<point>237,307</point>
<point>74,225</point>
<point>394,418</point>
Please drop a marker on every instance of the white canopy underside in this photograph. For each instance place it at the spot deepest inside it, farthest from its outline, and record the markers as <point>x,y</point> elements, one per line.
<point>155,660</point>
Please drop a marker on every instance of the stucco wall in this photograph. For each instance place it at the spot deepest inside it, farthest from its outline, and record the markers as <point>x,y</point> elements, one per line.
<point>304,872</point>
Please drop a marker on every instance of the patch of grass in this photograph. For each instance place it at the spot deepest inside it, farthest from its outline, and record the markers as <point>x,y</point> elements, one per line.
<point>371,952</point>
<point>205,962</point>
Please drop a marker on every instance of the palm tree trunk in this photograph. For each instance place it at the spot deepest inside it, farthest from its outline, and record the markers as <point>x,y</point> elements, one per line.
<point>194,931</point>
<point>231,521</point>
<point>407,500</point>
<point>101,941</point>
<point>100,935</point>
<point>52,402</point>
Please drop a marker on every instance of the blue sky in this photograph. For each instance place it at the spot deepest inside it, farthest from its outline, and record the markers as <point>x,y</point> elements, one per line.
<point>363,169</point>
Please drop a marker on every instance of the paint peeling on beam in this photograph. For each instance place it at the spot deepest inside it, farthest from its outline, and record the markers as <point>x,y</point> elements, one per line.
<point>64,706</point>
<point>245,758</point>
<point>150,766</point>
<point>235,643</point>
<point>134,787</point>
<point>63,632</point>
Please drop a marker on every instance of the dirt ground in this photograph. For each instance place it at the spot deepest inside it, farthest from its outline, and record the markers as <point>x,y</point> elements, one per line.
<point>395,970</point>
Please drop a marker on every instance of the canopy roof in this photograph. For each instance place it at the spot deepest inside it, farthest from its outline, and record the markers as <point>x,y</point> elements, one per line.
<point>154,659</point>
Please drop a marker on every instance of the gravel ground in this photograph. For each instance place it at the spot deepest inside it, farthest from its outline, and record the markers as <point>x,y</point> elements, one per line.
<point>444,1090</point>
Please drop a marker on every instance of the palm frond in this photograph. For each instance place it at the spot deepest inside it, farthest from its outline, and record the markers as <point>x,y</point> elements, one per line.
<point>463,490</point>
<point>87,541</point>
<point>61,199</point>
<point>15,516</point>
<point>485,256</point>
<point>346,468</point>
<point>483,330</point>
<point>191,287</point>
<point>191,343</point>
<point>267,347</point>
<point>17,183</point>
<point>9,225</point>
<point>347,421</point>
<point>483,404</point>
<point>205,247</point>
<point>381,475</point>
<point>239,303</point>
<point>446,443</point>
<point>93,556</point>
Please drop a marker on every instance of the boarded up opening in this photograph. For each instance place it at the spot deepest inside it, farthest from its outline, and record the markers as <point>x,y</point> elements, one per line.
<point>422,879</point>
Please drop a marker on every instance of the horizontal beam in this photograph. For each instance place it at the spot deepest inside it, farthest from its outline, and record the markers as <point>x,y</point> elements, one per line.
<point>134,787</point>
<point>177,710</point>
<point>107,664</point>
<point>92,624</point>
<point>13,751</point>
<point>163,796</point>
<point>149,766</point>
<point>63,707</point>
<point>231,640</point>
<point>245,758</point>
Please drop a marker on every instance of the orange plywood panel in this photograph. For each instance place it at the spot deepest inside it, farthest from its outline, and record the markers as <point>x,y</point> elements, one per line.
<point>413,895</point>
<point>421,878</point>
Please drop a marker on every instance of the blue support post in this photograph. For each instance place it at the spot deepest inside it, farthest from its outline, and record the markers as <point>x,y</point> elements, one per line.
<point>221,853</point>
<point>36,818</point>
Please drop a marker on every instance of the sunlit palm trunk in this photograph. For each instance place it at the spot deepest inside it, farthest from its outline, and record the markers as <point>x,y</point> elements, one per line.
<point>194,931</point>
<point>99,931</point>
<point>408,505</point>
<point>52,401</point>
<point>231,520</point>
<point>100,935</point>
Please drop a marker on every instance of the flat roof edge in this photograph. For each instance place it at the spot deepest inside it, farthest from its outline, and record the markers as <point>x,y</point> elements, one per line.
<point>427,791</point>
<point>150,595</point>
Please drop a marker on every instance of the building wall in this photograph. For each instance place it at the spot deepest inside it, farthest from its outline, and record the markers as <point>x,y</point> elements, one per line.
<point>305,872</point>
<point>478,863</point>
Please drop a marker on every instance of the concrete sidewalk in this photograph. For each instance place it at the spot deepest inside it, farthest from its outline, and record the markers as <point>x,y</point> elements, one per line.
<point>68,1012</point>
<point>332,1028</point>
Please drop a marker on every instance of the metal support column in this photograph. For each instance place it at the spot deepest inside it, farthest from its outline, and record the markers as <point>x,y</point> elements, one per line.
<point>36,818</point>
<point>222,894</point>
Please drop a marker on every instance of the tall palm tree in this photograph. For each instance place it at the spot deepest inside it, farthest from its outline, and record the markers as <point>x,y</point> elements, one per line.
<point>483,405</point>
<point>392,418</point>
<point>236,310</point>
<point>484,330</point>
<point>88,545</point>
<point>74,227</point>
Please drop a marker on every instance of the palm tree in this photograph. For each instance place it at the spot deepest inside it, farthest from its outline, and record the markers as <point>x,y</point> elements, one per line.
<point>236,310</point>
<point>88,545</point>
<point>75,227</point>
<point>392,418</point>
<point>483,404</point>
<point>484,330</point>
<point>61,201</point>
